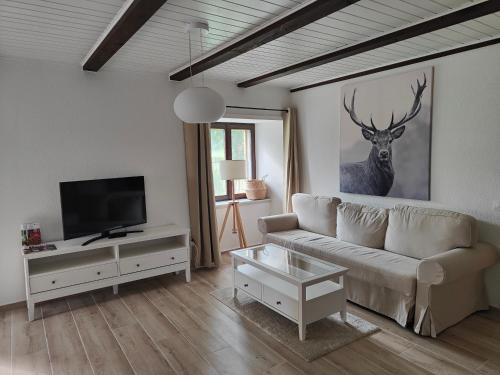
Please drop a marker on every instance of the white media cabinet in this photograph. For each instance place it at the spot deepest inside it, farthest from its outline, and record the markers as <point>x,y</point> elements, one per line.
<point>74,268</point>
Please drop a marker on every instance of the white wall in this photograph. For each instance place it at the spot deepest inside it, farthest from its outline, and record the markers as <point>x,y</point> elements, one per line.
<point>465,160</point>
<point>59,123</point>
<point>269,155</point>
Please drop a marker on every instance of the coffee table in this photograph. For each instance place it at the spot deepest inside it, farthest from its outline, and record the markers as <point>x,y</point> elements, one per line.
<point>300,287</point>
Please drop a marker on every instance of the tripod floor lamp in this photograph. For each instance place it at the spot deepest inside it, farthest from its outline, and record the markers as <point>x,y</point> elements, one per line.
<point>233,170</point>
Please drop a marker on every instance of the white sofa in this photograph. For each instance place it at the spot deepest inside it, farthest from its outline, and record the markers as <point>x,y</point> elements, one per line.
<point>418,266</point>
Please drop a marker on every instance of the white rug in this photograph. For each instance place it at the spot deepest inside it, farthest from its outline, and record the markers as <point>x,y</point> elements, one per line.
<point>323,336</point>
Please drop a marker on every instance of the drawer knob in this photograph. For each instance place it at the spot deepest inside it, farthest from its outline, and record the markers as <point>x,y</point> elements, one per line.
<point>278,302</point>
<point>98,272</point>
<point>53,281</point>
<point>137,265</point>
<point>172,258</point>
<point>245,285</point>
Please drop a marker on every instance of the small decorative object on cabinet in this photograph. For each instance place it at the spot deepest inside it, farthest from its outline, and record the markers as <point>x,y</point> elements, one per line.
<point>74,268</point>
<point>256,189</point>
<point>31,234</point>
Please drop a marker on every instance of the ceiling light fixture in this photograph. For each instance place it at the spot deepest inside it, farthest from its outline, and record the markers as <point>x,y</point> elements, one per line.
<point>200,104</point>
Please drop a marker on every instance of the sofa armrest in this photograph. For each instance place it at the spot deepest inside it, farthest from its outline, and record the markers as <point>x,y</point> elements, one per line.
<point>278,223</point>
<point>454,264</point>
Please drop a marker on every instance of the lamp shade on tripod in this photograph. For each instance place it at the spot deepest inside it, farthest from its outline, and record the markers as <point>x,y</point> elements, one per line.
<point>233,169</point>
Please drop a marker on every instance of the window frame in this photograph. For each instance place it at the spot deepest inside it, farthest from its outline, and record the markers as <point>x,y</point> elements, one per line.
<point>227,127</point>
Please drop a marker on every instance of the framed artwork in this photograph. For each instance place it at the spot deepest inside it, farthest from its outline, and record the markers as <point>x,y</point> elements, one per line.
<point>385,136</point>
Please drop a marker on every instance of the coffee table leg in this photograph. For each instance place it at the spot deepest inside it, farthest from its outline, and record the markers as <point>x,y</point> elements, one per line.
<point>302,325</point>
<point>235,265</point>
<point>343,312</point>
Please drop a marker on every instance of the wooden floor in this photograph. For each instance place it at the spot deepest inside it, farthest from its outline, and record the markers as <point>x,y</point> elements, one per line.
<point>165,326</point>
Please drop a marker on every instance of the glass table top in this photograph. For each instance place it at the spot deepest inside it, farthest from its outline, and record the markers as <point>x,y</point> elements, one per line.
<point>293,264</point>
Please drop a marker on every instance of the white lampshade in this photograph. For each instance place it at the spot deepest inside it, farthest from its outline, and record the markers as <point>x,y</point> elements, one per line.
<point>199,105</point>
<point>233,169</point>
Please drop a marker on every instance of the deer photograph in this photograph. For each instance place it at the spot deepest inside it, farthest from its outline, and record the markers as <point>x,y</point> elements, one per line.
<point>385,136</point>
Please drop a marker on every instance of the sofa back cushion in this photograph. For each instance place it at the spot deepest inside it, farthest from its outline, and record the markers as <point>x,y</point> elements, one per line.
<point>362,225</point>
<point>316,214</point>
<point>420,232</point>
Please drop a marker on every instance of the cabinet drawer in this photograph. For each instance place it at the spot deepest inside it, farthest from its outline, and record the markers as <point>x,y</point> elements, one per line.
<point>154,260</point>
<point>58,280</point>
<point>279,301</point>
<point>248,285</point>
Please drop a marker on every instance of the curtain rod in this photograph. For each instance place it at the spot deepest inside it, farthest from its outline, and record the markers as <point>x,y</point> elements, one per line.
<point>260,109</point>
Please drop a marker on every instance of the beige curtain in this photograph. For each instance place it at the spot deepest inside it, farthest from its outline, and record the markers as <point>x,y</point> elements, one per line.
<point>202,217</point>
<point>291,177</point>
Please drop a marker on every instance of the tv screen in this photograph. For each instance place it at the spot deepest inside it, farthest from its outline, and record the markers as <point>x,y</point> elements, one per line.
<point>97,206</point>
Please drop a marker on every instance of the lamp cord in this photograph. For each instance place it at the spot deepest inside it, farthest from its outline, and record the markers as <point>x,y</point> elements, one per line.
<point>190,58</point>
<point>202,51</point>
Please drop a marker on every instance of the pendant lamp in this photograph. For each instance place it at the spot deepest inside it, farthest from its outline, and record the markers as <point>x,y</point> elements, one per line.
<point>198,104</point>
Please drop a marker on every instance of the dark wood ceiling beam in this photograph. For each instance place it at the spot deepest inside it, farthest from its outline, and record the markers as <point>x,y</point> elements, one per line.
<point>400,64</point>
<point>286,24</point>
<point>131,17</point>
<point>440,22</point>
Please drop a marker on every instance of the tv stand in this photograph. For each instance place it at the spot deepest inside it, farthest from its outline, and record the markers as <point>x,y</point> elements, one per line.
<point>73,268</point>
<point>108,234</point>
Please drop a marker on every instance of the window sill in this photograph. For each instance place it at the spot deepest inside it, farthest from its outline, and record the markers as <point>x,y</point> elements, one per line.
<point>243,202</point>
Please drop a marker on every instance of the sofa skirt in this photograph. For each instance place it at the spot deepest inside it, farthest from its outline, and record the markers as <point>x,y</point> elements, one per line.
<point>385,301</point>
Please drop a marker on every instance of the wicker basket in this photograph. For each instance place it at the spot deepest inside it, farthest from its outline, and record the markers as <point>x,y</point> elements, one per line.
<point>255,189</point>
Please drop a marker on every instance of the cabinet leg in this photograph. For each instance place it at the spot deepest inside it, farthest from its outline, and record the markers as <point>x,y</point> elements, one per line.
<point>343,315</point>
<point>31,311</point>
<point>188,275</point>
<point>302,331</point>
<point>115,289</point>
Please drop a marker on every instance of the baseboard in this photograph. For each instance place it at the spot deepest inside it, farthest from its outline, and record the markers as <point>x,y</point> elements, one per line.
<point>12,306</point>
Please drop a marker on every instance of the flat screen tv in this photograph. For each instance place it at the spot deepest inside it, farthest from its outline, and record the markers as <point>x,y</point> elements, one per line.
<point>99,206</point>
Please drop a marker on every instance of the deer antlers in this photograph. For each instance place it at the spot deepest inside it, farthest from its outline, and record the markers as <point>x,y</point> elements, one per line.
<point>355,118</point>
<point>415,109</point>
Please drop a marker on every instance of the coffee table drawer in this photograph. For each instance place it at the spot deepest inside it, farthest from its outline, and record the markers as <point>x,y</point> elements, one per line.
<point>58,280</point>
<point>248,285</point>
<point>279,301</point>
<point>149,261</point>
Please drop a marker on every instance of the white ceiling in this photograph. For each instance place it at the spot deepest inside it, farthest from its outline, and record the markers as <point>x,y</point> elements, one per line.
<point>65,30</point>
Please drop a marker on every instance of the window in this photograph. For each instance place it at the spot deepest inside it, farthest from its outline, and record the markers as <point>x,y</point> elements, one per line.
<point>232,142</point>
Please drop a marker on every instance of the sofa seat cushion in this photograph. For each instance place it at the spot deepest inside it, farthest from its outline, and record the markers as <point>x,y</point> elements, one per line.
<point>420,232</point>
<point>361,225</point>
<point>375,266</point>
<point>316,214</point>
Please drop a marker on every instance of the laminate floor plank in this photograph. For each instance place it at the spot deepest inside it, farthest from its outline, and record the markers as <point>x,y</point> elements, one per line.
<point>434,363</point>
<point>490,368</point>
<point>66,351</point>
<point>386,359</point>
<point>5,341</point>
<point>391,342</point>
<point>349,361</point>
<point>103,350</point>
<point>30,354</point>
<point>283,369</point>
<point>141,352</point>
<point>192,328</point>
<point>180,354</point>
<point>226,360</point>
<point>457,354</point>
<point>246,344</point>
